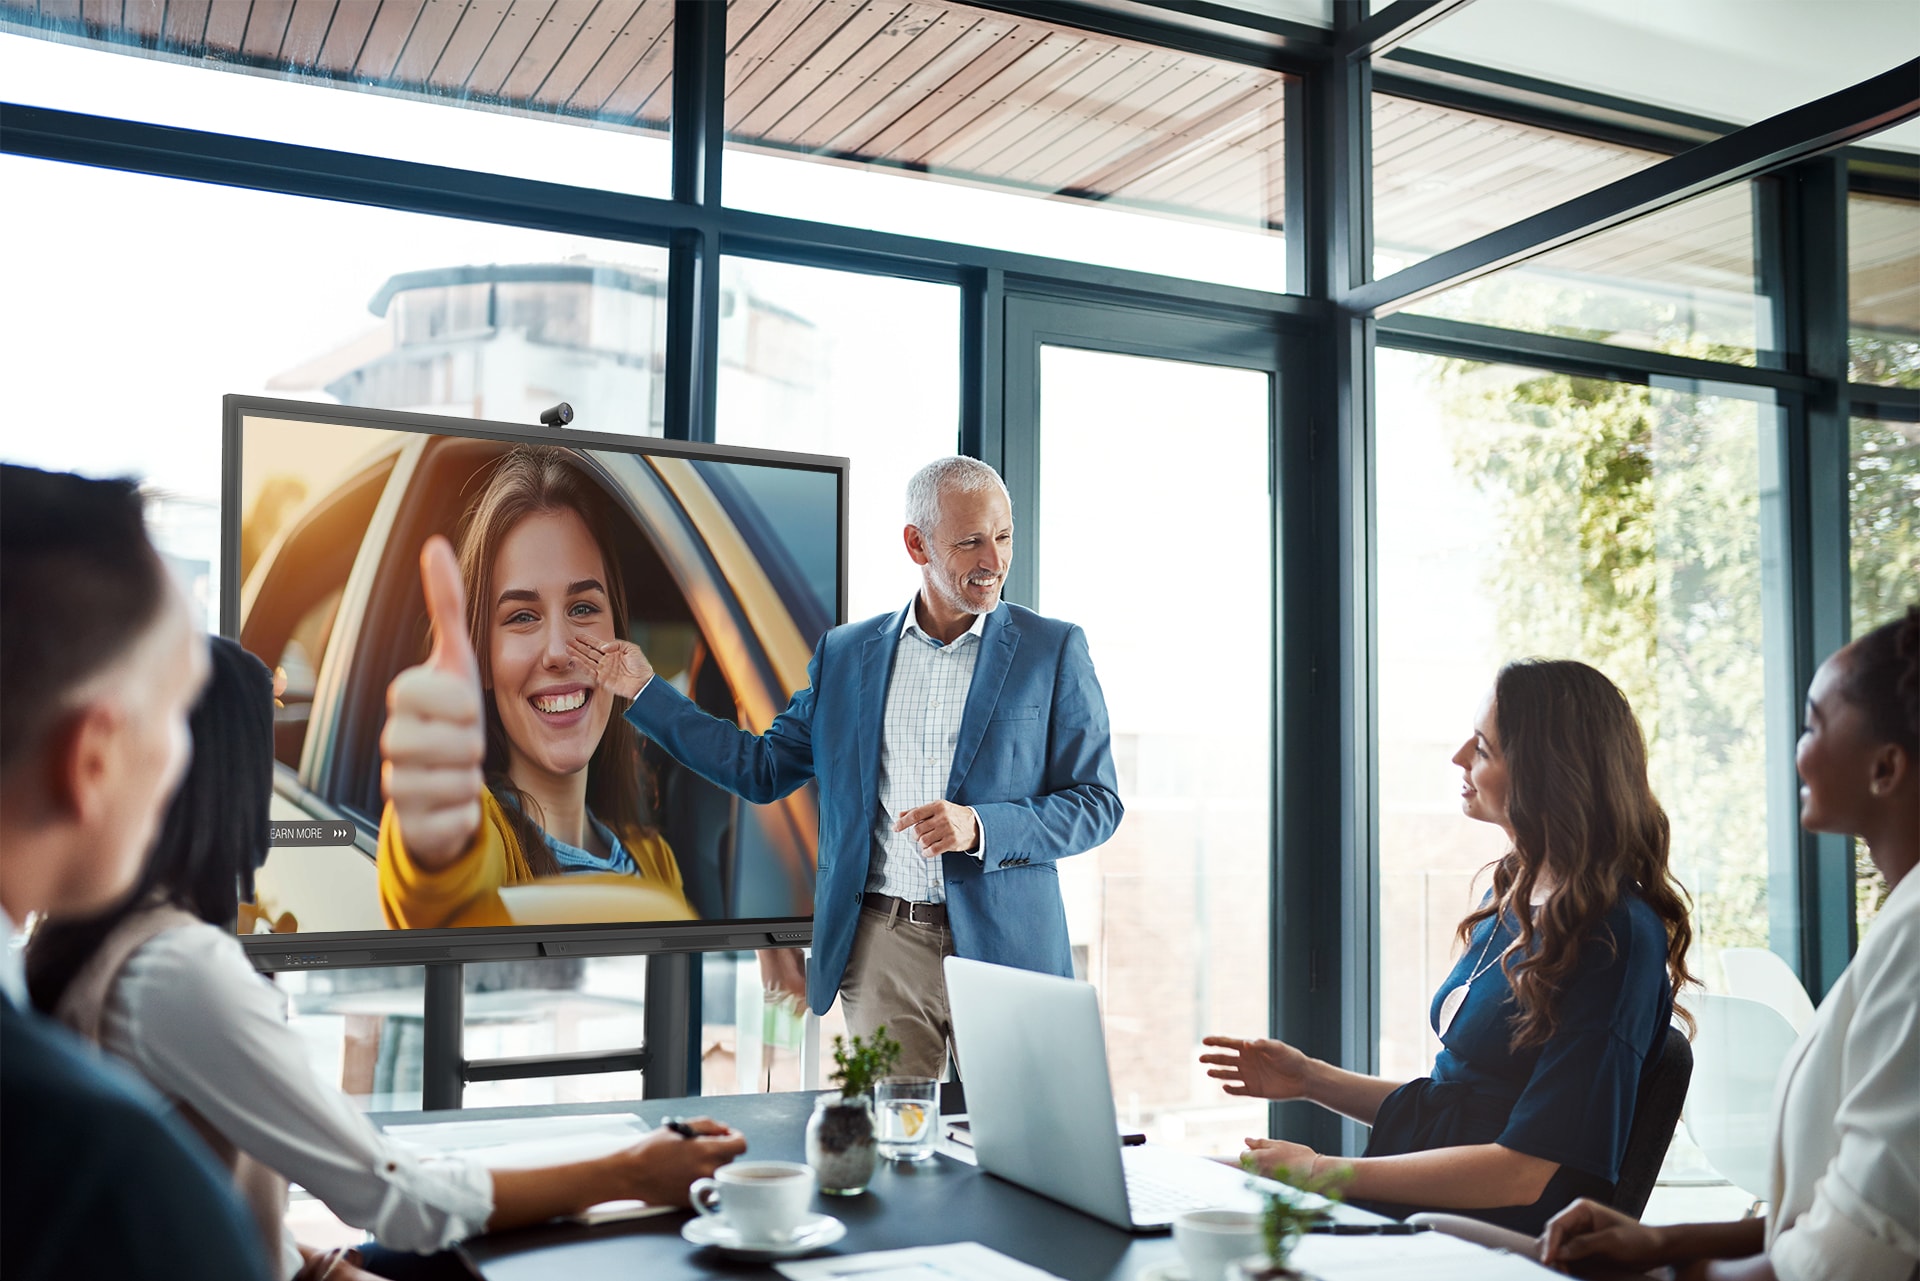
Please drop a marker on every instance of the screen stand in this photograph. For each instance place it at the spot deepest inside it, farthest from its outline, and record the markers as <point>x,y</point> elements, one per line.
<point>443,1066</point>
<point>669,1061</point>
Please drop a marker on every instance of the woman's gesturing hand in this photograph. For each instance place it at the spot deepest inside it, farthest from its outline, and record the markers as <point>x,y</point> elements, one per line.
<point>618,666</point>
<point>435,737</point>
<point>1259,1068</point>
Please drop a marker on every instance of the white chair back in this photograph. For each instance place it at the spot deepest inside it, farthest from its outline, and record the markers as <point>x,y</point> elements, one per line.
<point>1737,1055</point>
<point>1760,975</point>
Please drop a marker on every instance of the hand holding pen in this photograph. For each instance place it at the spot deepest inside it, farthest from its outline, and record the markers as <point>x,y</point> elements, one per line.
<point>661,1167</point>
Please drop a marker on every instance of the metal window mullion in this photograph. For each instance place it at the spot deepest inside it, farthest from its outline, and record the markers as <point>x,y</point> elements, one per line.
<point>693,264</point>
<point>1816,442</point>
<point>1323,981</point>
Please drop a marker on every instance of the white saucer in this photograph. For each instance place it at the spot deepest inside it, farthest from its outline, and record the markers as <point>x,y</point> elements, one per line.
<point>815,1232</point>
<point>1163,1272</point>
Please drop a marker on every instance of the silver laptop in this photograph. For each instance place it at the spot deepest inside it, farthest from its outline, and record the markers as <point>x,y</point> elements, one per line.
<point>1040,1104</point>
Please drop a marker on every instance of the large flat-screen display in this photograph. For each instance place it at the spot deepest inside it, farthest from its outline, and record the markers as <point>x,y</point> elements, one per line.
<point>724,565</point>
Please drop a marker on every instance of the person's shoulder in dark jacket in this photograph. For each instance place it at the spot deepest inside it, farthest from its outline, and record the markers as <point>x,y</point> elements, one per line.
<point>99,1179</point>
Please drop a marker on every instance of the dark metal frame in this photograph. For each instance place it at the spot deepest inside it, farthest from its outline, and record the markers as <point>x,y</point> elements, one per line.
<point>1325,905</point>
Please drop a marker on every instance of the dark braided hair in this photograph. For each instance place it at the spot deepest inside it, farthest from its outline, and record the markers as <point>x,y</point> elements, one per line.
<point>1883,680</point>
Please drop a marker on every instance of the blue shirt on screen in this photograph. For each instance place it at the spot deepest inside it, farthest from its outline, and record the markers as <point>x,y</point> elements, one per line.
<point>1569,1100</point>
<point>572,858</point>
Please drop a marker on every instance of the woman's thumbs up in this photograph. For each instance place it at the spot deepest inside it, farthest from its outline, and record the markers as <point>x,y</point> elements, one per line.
<point>435,738</point>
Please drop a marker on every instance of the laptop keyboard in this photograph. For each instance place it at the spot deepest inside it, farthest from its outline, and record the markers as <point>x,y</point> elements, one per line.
<point>1153,1200</point>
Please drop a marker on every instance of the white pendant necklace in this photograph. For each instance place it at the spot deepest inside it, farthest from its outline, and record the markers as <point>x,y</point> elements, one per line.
<point>1450,1004</point>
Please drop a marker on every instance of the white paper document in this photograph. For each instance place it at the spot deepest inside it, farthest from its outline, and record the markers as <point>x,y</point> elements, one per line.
<point>1431,1256</point>
<point>524,1143</point>
<point>963,1261</point>
<point>528,1143</point>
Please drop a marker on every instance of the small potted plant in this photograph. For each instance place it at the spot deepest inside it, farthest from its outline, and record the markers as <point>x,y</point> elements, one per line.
<point>840,1137</point>
<point>1285,1218</point>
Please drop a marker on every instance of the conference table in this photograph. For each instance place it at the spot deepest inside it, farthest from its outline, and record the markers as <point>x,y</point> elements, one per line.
<point>944,1199</point>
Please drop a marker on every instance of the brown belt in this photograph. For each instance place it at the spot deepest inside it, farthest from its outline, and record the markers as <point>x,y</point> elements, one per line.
<point>916,913</point>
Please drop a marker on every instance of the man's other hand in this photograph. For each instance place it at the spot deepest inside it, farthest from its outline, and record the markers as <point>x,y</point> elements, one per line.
<point>941,827</point>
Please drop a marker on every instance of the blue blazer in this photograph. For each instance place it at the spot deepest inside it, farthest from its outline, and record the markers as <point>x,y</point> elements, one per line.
<point>1034,760</point>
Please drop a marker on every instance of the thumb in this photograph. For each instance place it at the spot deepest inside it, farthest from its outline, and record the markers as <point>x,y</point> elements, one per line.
<point>446,610</point>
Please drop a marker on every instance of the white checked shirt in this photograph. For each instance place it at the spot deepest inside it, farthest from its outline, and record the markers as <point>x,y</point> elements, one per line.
<point>925,701</point>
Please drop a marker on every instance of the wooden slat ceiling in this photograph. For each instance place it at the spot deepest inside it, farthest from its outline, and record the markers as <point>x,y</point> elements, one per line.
<point>931,88</point>
<point>1007,102</point>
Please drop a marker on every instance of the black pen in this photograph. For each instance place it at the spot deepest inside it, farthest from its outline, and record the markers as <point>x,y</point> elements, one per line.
<point>1370,1229</point>
<point>680,1127</point>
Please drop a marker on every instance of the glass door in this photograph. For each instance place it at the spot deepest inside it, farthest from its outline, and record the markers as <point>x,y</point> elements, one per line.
<point>1152,527</point>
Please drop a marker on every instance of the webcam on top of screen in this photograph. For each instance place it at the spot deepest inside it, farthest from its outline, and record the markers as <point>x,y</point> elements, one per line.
<point>559,416</point>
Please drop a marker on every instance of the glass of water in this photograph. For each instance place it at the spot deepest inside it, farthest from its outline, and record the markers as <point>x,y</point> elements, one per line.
<point>907,1113</point>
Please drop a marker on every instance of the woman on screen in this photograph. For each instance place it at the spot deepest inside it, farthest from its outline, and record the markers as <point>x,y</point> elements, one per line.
<point>161,982</point>
<point>503,762</point>
<point>1564,988</point>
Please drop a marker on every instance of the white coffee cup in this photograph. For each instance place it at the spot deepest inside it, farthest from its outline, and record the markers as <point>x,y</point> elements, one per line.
<point>763,1201</point>
<point>1211,1241</point>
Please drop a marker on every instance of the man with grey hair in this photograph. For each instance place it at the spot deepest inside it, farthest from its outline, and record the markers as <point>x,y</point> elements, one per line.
<point>961,747</point>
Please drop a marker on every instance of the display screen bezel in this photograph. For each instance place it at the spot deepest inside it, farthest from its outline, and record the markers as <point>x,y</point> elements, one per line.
<point>360,948</point>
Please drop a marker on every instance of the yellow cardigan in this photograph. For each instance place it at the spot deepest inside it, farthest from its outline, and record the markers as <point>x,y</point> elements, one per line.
<point>467,890</point>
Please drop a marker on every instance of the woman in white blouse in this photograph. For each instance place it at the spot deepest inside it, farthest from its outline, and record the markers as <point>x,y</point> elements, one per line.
<point>1846,1155</point>
<point>162,982</point>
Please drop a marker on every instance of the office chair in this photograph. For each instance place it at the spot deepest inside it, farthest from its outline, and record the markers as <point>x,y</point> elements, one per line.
<point>1656,1112</point>
<point>1760,975</point>
<point>1740,1048</point>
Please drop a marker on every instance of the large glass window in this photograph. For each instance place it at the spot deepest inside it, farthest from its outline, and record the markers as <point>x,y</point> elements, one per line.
<point>571,93</point>
<point>1036,138</point>
<point>1540,514</point>
<point>835,362</point>
<point>1681,281</point>
<point>119,363</point>
<point>1169,918</point>
<point>1883,290</point>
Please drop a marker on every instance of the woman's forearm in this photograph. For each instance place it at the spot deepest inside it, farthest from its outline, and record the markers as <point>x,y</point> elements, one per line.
<point>1351,1094</point>
<point>521,1197</point>
<point>1479,1177</point>
<point>1735,1239</point>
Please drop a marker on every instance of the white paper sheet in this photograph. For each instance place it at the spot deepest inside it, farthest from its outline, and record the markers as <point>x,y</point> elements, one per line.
<point>528,1143</point>
<point>965,1261</point>
<point>1431,1256</point>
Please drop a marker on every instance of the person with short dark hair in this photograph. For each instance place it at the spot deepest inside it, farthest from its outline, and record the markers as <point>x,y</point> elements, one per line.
<point>99,662</point>
<point>1845,1200</point>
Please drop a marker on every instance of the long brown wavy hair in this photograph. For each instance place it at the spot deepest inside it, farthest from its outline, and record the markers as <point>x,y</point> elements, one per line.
<point>1579,802</point>
<point>533,480</point>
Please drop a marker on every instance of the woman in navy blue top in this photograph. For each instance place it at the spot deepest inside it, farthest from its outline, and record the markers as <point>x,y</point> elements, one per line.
<point>1563,991</point>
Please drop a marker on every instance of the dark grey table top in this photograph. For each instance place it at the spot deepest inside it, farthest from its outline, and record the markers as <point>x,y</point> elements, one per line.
<point>937,1201</point>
